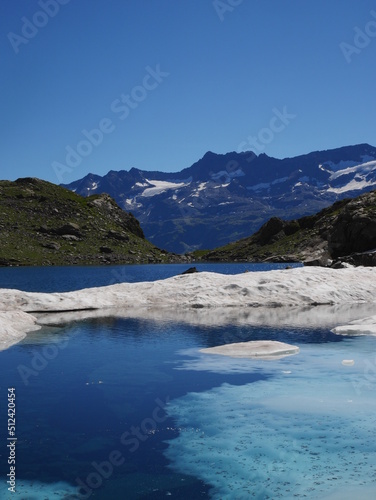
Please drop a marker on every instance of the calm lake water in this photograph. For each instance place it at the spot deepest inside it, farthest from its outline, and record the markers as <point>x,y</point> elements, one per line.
<point>116,409</point>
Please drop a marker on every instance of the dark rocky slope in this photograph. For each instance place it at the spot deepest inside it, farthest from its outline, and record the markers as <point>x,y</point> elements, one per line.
<point>345,231</point>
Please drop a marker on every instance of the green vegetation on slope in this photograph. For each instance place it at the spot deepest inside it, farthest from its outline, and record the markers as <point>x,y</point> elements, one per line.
<point>45,224</point>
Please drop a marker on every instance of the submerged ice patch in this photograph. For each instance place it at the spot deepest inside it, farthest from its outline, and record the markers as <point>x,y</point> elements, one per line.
<point>307,432</point>
<point>35,490</point>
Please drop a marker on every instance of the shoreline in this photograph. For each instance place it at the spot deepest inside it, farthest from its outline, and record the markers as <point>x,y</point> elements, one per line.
<point>273,293</point>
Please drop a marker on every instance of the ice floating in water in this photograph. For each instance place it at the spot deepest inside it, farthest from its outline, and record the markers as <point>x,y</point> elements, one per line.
<point>35,490</point>
<point>262,349</point>
<point>308,435</point>
<point>348,362</point>
<point>365,326</point>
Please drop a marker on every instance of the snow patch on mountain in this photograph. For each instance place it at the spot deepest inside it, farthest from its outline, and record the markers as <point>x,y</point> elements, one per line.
<point>321,167</point>
<point>198,189</point>
<point>359,174</point>
<point>159,187</point>
<point>363,168</point>
<point>353,185</point>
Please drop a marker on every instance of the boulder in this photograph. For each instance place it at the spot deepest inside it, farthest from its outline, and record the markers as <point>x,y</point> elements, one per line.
<point>190,270</point>
<point>70,228</point>
<point>52,245</point>
<point>320,261</point>
<point>361,259</point>
<point>117,235</point>
<point>43,229</point>
<point>354,231</point>
<point>271,230</point>
<point>105,250</point>
<point>70,237</point>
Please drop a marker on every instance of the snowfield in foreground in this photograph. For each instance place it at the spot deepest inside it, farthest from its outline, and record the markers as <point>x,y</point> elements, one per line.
<point>301,288</point>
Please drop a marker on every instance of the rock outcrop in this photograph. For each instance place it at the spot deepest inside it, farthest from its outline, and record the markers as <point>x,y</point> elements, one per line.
<point>343,232</point>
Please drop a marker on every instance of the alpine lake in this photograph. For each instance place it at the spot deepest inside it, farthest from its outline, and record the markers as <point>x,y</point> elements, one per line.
<point>122,408</point>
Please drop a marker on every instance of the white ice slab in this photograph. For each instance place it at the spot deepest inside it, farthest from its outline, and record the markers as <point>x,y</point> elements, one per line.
<point>13,327</point>
<point>262,349</point>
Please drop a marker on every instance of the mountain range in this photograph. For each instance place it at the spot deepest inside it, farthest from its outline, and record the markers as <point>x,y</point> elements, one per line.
<point>225,197</point>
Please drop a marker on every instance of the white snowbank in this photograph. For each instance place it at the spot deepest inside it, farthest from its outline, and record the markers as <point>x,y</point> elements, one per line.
<point>299,287</point>
<point>263,349</point>
<point>13,327</point>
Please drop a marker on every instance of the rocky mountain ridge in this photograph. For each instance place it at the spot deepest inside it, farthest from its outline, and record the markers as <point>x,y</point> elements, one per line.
<point>222,198</point>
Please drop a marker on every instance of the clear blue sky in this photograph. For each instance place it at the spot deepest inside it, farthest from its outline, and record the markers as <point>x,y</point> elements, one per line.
<point>225,67</point>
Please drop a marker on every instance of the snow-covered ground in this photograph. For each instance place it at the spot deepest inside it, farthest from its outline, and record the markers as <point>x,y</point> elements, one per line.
<point>360,177</point>
<point>311,290</point>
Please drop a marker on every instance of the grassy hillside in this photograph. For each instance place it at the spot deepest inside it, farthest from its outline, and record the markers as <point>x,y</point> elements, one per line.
<point>45,224</point>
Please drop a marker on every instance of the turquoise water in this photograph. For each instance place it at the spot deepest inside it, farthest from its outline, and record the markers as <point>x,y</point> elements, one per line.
<point>115,408</point>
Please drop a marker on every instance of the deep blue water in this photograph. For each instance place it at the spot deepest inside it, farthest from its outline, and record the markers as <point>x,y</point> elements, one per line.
<point>64,279</point>
<point>91,405</point>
